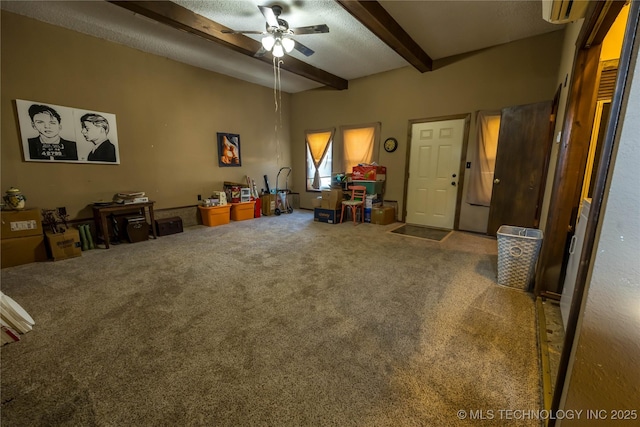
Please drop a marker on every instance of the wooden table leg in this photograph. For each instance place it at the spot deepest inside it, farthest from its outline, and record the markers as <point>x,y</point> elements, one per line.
<point>105,230</point>
<point>153,226</point>
<point>101,226</point>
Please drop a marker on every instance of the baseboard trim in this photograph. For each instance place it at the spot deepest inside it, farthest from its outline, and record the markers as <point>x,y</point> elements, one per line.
<point>545,366</point>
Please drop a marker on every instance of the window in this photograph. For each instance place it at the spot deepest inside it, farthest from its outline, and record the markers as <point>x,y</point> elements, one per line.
<point>360,145</point>
<point>319,158</point>
<point>483,158</point>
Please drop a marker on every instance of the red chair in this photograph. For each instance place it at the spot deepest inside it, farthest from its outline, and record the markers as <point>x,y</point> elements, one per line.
<point>358,196</point>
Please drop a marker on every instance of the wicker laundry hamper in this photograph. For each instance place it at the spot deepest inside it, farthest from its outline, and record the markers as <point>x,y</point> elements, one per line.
<point>518,249</point>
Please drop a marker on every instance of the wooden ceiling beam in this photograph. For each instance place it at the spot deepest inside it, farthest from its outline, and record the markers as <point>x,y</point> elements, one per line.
<point>183,19</point>
<point>375,17</point>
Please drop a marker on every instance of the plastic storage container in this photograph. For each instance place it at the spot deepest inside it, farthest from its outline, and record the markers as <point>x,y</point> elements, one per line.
<point>518,249</point>
<point>242,211</point>
<point>373,187</point>
<point>215,215</point>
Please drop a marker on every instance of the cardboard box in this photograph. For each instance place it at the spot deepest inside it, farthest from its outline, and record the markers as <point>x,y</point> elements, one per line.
<point>242,211</point>
<point>215,215</point>
<point>383,215</point>
<point>369,173</point>
<point>64,245</point>
<point>268,202</point>
<point>22,250</point>
<point>332,199</point>
<point>330,216</point>
<point>236,194</point>
<point>368,202</point>
<point>22,223</point>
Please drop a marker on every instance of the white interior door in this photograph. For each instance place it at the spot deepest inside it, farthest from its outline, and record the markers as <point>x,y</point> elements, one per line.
<point>434,163</point>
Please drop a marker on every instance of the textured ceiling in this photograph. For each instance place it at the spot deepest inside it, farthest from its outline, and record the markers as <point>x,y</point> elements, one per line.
<point>349,50</point>
<point>447,28</point>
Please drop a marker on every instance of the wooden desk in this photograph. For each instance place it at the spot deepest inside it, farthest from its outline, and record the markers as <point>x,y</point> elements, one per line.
<point>100,214</point>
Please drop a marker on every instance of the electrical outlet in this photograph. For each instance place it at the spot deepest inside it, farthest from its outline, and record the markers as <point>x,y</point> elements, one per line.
<point>199,196</point>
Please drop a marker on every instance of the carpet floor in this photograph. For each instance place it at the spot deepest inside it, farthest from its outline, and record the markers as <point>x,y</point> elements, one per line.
<point>277,321</point>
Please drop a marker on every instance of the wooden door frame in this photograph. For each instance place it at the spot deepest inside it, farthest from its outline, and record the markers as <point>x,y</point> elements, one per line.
<point>574,147</point>
<point>569,173</point>
<point>461,168</point>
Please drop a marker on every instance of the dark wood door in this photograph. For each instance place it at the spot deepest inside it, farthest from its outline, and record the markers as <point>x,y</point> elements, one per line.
<point>524,144</point>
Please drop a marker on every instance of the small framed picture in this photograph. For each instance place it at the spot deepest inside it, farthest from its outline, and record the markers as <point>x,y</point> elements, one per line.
<point>229,150</point>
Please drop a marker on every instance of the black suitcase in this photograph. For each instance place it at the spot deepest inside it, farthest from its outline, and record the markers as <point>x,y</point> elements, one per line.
<point>137,228</point>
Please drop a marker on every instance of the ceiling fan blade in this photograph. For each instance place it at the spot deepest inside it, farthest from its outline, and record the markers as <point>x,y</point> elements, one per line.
<point>260,53</point>
<point>311,29</point>
<point>241,32</point>
<point>303,49</point>
<point>271,18</point>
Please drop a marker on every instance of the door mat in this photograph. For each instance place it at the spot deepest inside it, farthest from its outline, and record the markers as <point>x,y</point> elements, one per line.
<point>419,232</point>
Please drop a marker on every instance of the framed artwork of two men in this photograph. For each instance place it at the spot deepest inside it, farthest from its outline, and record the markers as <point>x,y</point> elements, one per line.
<point>54,133</point>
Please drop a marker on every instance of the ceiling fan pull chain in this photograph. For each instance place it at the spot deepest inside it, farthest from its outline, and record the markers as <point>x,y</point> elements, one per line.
<point>275,83</point>
<point>277,97</point>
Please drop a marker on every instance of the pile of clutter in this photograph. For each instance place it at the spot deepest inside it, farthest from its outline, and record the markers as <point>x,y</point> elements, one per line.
<point>55,221</point>
<point>233,192</point>
<point>218,198</point>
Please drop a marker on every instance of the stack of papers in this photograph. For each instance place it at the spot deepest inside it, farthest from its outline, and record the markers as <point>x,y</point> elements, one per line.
<point>14,320</point>
<point>128,197</point>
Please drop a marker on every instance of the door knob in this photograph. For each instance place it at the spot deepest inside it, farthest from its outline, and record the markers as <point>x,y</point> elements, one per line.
<point>496,181</point>
<point>454,175</point>
<point>453,183</point>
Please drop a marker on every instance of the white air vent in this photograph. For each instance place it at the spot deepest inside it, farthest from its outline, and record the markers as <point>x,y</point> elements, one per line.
<point>563,11</point>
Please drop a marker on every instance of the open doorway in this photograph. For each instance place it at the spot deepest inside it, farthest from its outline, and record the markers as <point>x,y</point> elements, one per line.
<point>581,172</point>
<point>594,157</point>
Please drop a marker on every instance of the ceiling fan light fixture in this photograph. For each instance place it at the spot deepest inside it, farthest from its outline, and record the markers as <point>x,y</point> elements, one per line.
<point>288,44</point>
<point>278,51</point>
<point>268,42</point>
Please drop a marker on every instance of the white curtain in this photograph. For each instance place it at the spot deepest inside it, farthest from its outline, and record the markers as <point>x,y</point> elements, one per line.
<point>483,158</point>
<point>318,143</point>
<point>360,145</point>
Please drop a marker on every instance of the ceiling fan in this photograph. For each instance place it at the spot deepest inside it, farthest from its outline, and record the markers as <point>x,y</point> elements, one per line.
<point>278,35</point>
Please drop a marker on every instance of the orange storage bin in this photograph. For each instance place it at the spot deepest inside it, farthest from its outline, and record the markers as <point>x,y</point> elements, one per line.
<point>215,215</point>
<point>242,211</point>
